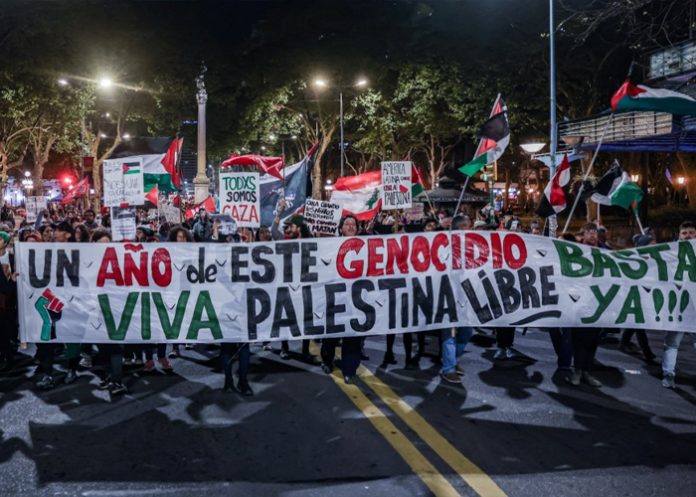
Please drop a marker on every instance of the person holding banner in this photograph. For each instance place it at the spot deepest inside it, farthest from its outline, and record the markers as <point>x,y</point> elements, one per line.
<point>8,300</point>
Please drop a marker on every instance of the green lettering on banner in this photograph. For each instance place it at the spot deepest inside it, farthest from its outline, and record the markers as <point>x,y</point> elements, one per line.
<point>570,255</point>
<point>603,262</point>
<point>634,273</point>
<point>603,300</point>
<point>123,324</point>
<point>145,326</point>
<point>203,303</point>
<point>687,262</point>
<point>633,306</point>
<point>171,329</point>
<point>654,252</point>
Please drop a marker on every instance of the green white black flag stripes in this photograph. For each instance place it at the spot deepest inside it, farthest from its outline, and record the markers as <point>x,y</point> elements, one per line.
<point>137,293</point>
<point>496,135</point>
<point>616,188</point>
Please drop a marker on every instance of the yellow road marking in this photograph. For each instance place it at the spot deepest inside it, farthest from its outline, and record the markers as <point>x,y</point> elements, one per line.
<point>437,483</point>
<point>467,470</point>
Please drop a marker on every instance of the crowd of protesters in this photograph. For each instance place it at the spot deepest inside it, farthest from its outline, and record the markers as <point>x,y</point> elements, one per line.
<point>575,347</point>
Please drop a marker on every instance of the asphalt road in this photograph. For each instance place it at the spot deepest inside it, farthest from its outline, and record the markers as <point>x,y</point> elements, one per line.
<point>511,429</point>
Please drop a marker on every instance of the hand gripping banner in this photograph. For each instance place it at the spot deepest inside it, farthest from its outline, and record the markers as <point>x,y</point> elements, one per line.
<point>375,285</point>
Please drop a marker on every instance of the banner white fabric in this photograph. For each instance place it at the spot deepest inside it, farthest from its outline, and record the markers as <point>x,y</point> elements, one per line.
<point>372,285</point>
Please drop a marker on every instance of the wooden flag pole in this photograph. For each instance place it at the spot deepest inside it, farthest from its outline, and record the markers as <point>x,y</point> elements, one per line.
<point>461,195</point>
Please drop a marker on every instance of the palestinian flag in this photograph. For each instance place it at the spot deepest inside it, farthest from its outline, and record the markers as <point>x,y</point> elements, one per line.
<point>555,199</point>
<point>496,137</point>
<point>359,195</point>
<point>642,98</point>
<point>160,157</point>
<point>268,165</point>
<point>616,188</point>
<point>417,186</point>
<point>80,190</point>
<point>153,195</point>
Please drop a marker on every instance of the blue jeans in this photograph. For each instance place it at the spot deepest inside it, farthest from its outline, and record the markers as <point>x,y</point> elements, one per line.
<point>453,347</point>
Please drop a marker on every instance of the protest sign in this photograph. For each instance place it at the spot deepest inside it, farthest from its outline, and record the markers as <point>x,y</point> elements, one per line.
<point>123,223</point>
<point>357,286</point>
<point>34,205</point>
<point>239,197</point>
<point>171,213</point>
<point>396,185</point>
<point>123,182</point>
<point>416,213</point>
<point>322,217</point>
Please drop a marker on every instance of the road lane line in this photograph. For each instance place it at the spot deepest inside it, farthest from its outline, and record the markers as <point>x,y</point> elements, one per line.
<point>437,483</point>
<point>474,476</point>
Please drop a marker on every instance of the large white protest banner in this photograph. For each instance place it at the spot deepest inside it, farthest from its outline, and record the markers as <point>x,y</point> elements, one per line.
<point>34,205</point>
<point>396,185</point>
<point>322,217</point>
<point>123,182</point>
<point>333,287</point>
<point>240,198</point>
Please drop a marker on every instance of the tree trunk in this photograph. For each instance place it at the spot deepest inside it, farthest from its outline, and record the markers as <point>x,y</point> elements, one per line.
<point>317,183</point>
<point>688,163</point>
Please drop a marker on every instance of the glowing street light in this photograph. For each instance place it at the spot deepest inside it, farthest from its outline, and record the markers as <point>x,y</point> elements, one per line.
<point>126,136</point>
<point>532,147</point>
<point>361,83</point>
<point>105,82</point>
<point>635,177</point>
<point>320,83</point>
<point>681,180</point>
<point>62,82</point>
<point>27,174</point>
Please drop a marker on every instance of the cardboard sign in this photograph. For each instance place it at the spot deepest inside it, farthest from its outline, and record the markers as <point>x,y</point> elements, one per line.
<point>240,198</point>
<point>416,213</point>
<point>123,182</point>
<point>123,223</point>
<point>171,213</point>
<point>396,185</point>
<point>322,217</point>
<point>34,205</point>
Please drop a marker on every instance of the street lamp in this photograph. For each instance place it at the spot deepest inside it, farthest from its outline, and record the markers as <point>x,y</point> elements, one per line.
<point>62,82</point>
<point>360,83</point>
<point>105,82</point>
<point>532,147</point>
<point>681,180</point>
<point>635,177</point>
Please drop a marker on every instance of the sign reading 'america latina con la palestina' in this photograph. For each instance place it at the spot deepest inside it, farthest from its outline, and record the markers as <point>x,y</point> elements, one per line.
<point>133,293</point>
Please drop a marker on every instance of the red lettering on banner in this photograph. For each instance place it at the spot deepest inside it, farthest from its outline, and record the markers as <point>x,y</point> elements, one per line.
<point>161,267</point>
<point>130,269</point>
<point>471,242</point>
<point>440,240</point>
<point>456,252</point>
<point>510,241</point>
<point>496,251</point>
<point>356,267</point>
<point>375,257</point>
<point>420,248</point>
<point>109,269</point>
<point>397,254</point>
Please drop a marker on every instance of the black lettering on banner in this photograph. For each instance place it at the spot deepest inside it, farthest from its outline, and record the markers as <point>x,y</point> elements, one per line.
<point>284,315</point>
<point>254,318</point>
<point>404,310</point>
<point>370,316</point>
<point>201,274</point>
<point>483,312</point>
<point>236,264</point>
<point>308,262</point>
<point>547,287</point>
<point>490,294</point>
<point>69,267</point>
<point>269,269</point>
<point>46,278</point>
<point>307,306</point>
<point>332,308</point>
<point>530,296</point>
<point>286,250</point>
<point>392,285</point>
<point>422,300</point>
<point>445,302</point>
<point>509,295</point>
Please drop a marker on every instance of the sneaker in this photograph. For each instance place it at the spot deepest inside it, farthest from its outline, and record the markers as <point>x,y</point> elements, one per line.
<point>284,355</point>
<point>104,384</point>
<point>451,377</point>
<point>117,389</point>
<point>267,347</point>
<point>326,368</point>
<point>71,377</point>
<point>149,366</point>
<point>574,379</point>
<point>244,388</point>
<point>459,371</point>
<point>668,381</point>
<point>174,353</point>
<point>188,346</point>
<point>591,380</point>
<point>164,364</point>
<point>510,353</point>
<point>500,354</point>
<point>86,362</point>
<point>46,383</point>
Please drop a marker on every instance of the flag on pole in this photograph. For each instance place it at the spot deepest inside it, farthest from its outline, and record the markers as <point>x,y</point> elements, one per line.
<point>79,190</point>
<point>417,186</point>
<point>159,158</point>
<point>668,175</point>
<point>643,98</point>
<point>616,188</point>
<point>153,195</point>
<point>496,133</point>
<point>268,165</point>
<point>208,204</point>
<point>554,199</point>
<point>359,195</point>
